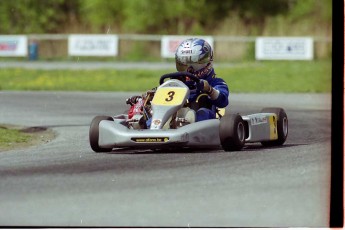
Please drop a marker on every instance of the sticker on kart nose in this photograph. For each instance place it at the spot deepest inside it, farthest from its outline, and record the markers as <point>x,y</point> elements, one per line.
<point>169,96</point>
<point>150,139</point>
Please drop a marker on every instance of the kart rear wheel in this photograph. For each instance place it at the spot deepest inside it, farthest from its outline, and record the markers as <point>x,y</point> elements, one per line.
<point>282,126</point>
<point>94,134</point>
<point>232,132</point>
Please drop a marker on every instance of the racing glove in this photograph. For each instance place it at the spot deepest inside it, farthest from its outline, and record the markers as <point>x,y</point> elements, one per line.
<point>132,100</point>
<point>205,87</point>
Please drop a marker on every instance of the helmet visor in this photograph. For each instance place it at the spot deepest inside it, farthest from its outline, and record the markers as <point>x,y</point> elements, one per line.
<point>185,65</point>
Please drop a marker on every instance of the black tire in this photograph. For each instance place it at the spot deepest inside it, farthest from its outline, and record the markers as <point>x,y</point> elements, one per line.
<point>232,132</point>
<point>282,126</point>
<point>94,134</point>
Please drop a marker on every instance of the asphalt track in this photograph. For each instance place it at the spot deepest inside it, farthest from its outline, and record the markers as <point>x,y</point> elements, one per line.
<point>64,183</point>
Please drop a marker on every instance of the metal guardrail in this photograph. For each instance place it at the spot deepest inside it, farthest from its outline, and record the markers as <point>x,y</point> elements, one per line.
<point>150,37</point>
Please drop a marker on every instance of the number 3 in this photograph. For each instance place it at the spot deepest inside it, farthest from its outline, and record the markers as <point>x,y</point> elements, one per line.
<point>170,96</point>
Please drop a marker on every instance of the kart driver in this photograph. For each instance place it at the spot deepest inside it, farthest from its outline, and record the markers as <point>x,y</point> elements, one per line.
<point>196,56</point>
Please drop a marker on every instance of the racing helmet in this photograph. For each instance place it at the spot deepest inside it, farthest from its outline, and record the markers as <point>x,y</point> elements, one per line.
<point>195,56</point>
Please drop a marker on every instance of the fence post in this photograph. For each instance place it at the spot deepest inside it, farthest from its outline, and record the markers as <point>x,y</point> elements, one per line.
<point>33,50</point>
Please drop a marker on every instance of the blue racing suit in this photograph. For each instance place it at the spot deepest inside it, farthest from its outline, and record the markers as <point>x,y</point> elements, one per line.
<point>220,102</point>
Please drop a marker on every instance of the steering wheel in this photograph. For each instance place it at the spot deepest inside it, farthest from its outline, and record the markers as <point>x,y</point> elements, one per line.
<point>179,76</point>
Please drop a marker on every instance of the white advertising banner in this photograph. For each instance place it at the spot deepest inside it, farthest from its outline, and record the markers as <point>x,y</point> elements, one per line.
<point>13,46</point>
<point>169,44</point>
<point>93,45</point>
<point>284,48</point>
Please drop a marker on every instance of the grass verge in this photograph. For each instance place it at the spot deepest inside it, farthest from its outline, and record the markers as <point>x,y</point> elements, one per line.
<point>15,137</point>
<point>253,77</point>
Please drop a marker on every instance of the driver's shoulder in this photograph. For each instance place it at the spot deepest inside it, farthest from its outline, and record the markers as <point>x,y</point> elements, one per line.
<point>215,80</point>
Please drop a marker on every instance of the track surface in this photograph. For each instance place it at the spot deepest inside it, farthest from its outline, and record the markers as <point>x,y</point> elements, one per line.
<point>64,183</point>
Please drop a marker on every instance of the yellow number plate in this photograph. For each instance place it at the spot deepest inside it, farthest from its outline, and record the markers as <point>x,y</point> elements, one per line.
<point>273,128</point>
<point>169,96</point>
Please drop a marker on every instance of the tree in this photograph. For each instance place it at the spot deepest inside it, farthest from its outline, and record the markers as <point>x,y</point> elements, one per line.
<point>35,16</point>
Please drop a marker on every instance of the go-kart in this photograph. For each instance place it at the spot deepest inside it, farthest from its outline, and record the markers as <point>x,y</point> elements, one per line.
<point>173,123</point>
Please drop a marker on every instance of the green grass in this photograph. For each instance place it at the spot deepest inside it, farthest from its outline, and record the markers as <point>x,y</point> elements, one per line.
<point>10,137</point>
<point>287,77</point>
<point>260,77</point>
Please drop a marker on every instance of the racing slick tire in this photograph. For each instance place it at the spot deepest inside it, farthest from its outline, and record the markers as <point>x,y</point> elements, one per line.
<point>282,126</point>
<point>94,134</point>
<point>232,132</point>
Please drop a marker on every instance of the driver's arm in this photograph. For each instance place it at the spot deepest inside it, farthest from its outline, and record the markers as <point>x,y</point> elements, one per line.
<point>218,92</point>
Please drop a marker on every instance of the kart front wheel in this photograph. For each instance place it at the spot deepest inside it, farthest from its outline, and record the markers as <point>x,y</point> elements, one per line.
<point>282,126</point>
<point>232,132</point>
<point>94,134</point>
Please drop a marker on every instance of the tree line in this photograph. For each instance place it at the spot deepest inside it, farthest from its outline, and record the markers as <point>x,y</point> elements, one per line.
<point>152,16</point>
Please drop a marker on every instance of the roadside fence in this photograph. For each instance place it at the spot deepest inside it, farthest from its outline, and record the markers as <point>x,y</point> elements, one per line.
<point>143,47</point>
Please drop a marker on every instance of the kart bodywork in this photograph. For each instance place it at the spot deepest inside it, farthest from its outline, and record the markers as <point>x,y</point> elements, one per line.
<point>173,124</point>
